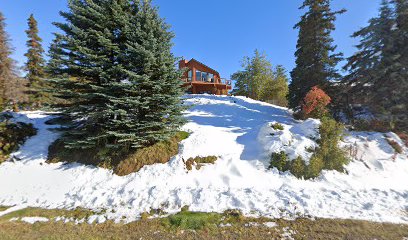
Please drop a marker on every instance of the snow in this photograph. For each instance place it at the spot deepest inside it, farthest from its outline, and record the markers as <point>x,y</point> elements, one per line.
<point>225,225</point>
<point>12,209</point>
<point>71,219</point>
<point>271,224</point>
<point>252,224</point>
<point>293,140</point>
<point>33,220</point>
<point>238,131</point>
<point>96,219</point>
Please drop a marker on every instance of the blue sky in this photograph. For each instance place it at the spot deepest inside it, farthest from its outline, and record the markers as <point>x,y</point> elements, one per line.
<point>216,32</point>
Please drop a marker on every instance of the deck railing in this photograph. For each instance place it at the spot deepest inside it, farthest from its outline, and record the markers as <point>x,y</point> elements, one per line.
<point>223,81</point>
<point>226,81</point>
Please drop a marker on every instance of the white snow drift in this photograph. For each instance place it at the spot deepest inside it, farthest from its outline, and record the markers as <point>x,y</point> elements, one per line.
<point>238,131</point>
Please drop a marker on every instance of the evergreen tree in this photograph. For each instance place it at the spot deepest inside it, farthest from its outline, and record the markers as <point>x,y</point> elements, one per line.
<point>298,167</point>
<point>274,89</point>
<point>315,56</point>
<point>55,64</point>
<point>259,80</point>
<point>257,71</point>
<point>378,71</point>
<point>241,79</point>
<point>260,72</point>
<point>123,84</point>
<point>7,66</point>
<point>364,66</point>
<point>35,63</point>
<point>4,59</point>
<point>159,83</point>
<point>281,88</point>
<point>392,87</point>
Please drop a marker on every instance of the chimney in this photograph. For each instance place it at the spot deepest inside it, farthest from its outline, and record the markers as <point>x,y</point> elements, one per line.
<point>183,63</point>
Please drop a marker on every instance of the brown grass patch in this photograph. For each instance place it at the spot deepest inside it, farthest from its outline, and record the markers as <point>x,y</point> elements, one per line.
<point>199,162</point>
<point>188,225</point>
<point>160,152</point>
<point>404,137</point>
<point>4,208</point>
<point>395,145</point>
<point>78,213</point>
<point>347,229</point>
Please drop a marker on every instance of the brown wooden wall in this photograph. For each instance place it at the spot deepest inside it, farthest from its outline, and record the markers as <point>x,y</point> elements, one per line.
<point>197,87</point>
<point>194,66</point>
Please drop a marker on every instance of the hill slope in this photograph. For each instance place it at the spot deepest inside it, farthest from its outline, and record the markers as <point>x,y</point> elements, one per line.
<point>238,131</point>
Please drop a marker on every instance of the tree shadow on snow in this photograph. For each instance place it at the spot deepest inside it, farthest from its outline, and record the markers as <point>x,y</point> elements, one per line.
<point>242,117</point>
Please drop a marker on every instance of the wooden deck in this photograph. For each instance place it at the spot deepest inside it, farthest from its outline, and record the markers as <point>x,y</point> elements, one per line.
<point>200,79</point>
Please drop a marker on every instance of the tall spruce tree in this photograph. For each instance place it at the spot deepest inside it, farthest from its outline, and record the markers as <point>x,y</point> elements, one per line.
<point>123,87</point>
<point>378,71</point>
<point>7,65</point>
<point>391,89</point>
<point>35,63</point>
<point>55,64</point>
<point>316,59</point>
<point>4,59</point>
<point>365,66</point>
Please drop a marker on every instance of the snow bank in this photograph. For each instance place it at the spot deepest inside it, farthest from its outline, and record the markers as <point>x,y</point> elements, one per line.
<point>238,131</point>
<point>270,224</point>
<point>295,139</point>
<point>33,220</point>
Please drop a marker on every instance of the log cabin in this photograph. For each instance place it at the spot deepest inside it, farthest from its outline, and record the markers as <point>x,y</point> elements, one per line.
<point>200,79</point>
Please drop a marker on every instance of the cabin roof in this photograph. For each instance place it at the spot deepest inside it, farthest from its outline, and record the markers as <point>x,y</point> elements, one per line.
<point>202,64</point>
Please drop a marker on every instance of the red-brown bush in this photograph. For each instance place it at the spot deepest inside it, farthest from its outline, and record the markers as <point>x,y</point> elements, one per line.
<point>315,103</point>
<point>404,137</point>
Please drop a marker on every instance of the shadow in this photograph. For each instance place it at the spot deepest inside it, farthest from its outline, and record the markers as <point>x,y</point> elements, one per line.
<point>240,116</point>
<point>378,138</point>
<point>65,166</point>
<point>35,147</point>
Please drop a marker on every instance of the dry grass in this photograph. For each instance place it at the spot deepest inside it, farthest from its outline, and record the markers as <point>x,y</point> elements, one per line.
<point>187,225</point>
<point>199,162</point>
<point>160,152</point>
<point>3,208</point>
<point>347,229</point>
<point>395,145</point>
<point>78,213</point>
<point>404,137</point>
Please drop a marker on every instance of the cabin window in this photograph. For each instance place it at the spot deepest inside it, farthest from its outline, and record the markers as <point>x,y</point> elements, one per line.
<point>190,75</point>
<point>211,76</point>
<point>198,76</point>
<point>204,77</point>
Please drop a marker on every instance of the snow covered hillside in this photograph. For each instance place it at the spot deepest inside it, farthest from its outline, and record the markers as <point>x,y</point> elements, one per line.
<point>238,131</point>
